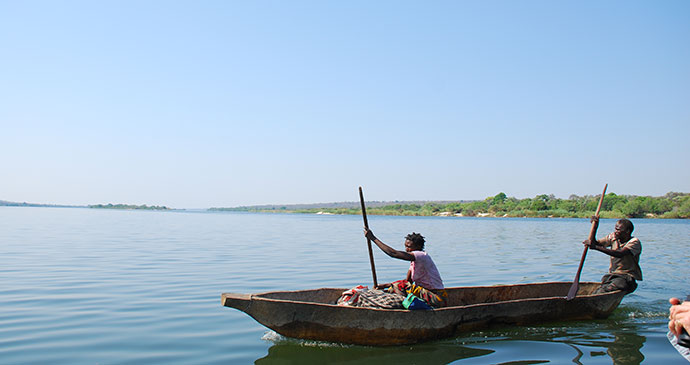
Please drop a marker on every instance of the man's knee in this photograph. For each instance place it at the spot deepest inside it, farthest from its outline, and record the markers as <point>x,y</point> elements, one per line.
<point>611,283</point>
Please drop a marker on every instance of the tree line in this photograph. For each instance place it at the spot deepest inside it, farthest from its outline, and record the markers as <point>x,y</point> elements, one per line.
<point>671,205</point>
<point>128,206</point>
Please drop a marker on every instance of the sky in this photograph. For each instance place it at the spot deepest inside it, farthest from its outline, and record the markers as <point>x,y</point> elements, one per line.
<point>202,104</point>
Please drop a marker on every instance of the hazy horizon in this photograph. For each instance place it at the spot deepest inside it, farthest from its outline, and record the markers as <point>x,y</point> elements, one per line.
<point>353,202</point>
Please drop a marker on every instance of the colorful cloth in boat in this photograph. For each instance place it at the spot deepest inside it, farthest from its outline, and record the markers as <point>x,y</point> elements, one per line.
<point>362,296</point>
<point>375,298</point>
<point>413,303</point>
<point>350,297</point>
<point>436,298</point>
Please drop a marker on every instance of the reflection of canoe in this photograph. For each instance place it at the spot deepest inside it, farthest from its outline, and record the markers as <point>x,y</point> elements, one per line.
<point>428,354</point>
<point>311,314</point>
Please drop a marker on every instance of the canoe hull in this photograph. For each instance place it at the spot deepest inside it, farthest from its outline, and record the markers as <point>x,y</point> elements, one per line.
<point>308,314</point>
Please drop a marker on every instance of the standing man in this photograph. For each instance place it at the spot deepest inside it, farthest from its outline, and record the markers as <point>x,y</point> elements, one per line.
<point>625,251</point>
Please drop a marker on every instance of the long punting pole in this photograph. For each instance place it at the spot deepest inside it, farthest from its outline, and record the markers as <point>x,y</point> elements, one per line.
<point>366,225</point>
<point>592,232</point>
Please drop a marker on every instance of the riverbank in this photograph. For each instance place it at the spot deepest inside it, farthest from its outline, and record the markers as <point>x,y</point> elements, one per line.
<point>670,206</point>
<point>520,214</point>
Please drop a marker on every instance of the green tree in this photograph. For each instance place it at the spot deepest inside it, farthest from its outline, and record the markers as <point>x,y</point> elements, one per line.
<point>611,200</point>
<point>500,198</point>
<point>540,202</point>
<point>454,207</point>
<point>634,208</point>
<point>537,204</point>
<point>568,205</point>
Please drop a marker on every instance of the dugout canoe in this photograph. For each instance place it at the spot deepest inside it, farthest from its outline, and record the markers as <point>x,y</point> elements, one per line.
<point>312,314</point>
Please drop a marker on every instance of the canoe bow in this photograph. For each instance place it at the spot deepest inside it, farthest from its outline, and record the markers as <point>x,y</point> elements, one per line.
<point>238,301</point>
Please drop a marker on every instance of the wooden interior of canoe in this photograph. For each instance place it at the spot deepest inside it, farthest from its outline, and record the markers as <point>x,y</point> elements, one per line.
<point>457,296</point>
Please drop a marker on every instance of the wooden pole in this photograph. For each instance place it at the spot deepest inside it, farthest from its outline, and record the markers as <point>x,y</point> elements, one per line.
<point>366,225</point>
<point>592,233</point>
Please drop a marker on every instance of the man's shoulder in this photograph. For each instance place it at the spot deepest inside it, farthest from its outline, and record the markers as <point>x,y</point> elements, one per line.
<point>634,245</point>
<point>634,241</point>
<point>418,254</point>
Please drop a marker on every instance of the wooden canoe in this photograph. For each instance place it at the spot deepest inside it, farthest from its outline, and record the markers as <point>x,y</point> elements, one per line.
<point>312,314</point>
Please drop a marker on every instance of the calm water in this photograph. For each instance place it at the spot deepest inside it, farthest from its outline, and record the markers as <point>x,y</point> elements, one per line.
<point>84,286</point>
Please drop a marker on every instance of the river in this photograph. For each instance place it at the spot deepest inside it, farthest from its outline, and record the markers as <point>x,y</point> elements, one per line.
<point>94,286</point>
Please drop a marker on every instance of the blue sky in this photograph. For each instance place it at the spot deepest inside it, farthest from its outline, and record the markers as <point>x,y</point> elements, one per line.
<point>226,103</point>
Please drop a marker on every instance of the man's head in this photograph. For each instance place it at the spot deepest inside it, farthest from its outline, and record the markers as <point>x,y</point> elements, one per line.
<point>414,242</point>
<point>623,230</point>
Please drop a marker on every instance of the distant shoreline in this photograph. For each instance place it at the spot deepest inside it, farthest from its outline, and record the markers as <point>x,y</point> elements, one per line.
<point>4,203</point>
<point>673,205</point>
<point>129,207</point>
<point>544,214</point>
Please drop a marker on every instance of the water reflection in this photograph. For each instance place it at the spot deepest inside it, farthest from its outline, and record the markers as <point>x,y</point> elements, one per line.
<point>625,348</point>
<point>588,341</point>
<point>575,342</point>
<point>308,353</point>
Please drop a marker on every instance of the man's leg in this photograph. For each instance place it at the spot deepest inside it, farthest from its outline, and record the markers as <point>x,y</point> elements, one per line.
<point>613,282</point>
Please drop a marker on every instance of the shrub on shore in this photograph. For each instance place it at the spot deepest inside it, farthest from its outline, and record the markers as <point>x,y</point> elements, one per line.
<point>671,205</point>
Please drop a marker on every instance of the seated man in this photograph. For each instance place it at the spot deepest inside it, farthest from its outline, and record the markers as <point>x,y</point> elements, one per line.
<point>625,251</point>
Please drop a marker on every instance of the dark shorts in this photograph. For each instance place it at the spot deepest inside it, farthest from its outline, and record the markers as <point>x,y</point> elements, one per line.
<point>613,282</point>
